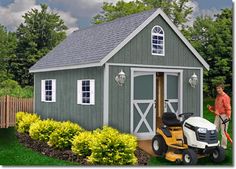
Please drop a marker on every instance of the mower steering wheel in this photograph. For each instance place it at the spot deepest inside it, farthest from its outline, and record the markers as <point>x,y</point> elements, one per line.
<point>186,115</point>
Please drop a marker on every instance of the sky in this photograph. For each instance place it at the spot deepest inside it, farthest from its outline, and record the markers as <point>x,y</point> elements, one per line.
<point>78,13</point>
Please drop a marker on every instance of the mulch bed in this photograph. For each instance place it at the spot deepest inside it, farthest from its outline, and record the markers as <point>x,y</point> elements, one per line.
<point>67,155</point>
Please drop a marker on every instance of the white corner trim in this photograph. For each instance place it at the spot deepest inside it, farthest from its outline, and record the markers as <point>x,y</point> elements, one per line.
<point>143,25</point>
<point>106,95</point>
<point>131,101</point>
<point>201,93</point>
<point>34,96</point>
<point>64,68</point>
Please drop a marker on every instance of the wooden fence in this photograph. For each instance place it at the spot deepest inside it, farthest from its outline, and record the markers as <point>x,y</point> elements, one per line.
<point>9,106</point>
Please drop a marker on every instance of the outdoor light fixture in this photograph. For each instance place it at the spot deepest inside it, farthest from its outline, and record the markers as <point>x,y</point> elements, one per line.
<point>120,78</point>
<point>193,80</point>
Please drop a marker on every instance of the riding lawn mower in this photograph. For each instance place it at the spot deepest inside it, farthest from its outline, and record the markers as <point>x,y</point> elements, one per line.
<point>187,140</point>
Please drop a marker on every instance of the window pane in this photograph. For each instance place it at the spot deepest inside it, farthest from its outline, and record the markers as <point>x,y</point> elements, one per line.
<point>87,88</point>
<point>159,47</point>
<point>48,87</point>
<point>86,100</point>
<point>160,42</point>
<point>154,46</point>
<point>48,98</point>
<point>49,93</point>
<point>160,51</point>
<point>154,41</point>
<point>157,29</point>
<point>154,37</point>
<point>86,94</point>
<point>160,37</point>
<point>48,83</point>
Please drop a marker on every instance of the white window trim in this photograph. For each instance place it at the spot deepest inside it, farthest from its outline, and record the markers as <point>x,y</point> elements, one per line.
<point>157,54</point>
<point>43,94</point>
<point>80,95</point>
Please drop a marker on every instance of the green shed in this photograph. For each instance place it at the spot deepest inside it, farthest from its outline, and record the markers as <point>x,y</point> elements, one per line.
<point>125,74</point>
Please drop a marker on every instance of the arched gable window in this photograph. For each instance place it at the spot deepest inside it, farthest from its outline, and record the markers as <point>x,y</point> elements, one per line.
<point>158,41</point>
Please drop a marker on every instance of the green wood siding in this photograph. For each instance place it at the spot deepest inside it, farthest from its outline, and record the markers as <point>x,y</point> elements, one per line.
<point>138,50</point>
<point>66,107</point>
<point>191,96</point>
<point>120,97</point>
<point>119,100</point>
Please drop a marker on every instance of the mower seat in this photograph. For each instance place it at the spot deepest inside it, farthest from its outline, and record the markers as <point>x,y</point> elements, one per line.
<point>169,119</point>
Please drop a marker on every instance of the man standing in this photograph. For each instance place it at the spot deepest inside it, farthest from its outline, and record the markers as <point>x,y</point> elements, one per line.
<point>222,108</point>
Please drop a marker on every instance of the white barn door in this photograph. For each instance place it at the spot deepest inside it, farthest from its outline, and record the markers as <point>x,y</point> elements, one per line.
<point>143,105</point>
<point>171,92</point>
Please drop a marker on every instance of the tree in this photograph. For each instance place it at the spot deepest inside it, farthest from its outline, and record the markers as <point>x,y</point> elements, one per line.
<point>40,32</point>
<point>177,10</point>
<point>7,46</point>
<point>213,40</point>
<point>120,9</point>
<point>180,12</point>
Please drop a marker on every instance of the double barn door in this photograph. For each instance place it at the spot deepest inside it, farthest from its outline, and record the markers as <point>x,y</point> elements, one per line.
<point>144,103</point>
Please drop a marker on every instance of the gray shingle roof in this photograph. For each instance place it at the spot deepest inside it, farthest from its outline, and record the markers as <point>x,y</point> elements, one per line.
<point>92,44</point>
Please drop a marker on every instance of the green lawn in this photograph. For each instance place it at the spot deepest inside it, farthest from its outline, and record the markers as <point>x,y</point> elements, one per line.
<point>13,154</point>
<point>204,161</point>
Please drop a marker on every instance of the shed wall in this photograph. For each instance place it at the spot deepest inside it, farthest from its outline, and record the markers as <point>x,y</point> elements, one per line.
<point>66,107</point>
<point>138,50</point>
<point>120,97</point>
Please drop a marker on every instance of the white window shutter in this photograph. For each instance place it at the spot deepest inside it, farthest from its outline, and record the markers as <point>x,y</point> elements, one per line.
<point>54,90</point>
<point>43,90</point>
<point>92,92</point>
<point>79,91</point>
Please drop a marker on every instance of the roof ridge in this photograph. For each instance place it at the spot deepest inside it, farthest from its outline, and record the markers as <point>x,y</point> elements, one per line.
<point>115,20</point>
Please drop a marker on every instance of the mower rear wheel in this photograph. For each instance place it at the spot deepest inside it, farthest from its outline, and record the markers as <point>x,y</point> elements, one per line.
<point>218,155</point>
<point>189,157</point>
<point>159,146</point>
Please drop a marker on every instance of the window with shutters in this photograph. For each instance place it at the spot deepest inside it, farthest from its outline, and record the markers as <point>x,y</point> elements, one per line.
<point>48,90</point>
<point>86,93</point>
<point>158,41</point>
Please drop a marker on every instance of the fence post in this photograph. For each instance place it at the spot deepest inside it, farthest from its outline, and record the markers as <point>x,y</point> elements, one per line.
<point>7,111</point>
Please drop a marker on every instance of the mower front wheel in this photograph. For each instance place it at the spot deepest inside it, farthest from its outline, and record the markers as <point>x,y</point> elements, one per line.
<point>218,155</point>
<point>189,157</point>
<point>159,146</point>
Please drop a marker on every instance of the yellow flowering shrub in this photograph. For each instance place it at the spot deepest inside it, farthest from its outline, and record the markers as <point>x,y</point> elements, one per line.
<point>112,148</point>
<point>24,120</point>
<point>19,116</point>
<point>62,136</point>
<point>81,144</point>
<point>41,130</point>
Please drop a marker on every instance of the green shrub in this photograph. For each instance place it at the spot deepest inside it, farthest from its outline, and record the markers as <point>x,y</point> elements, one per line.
<point>110,147</point>
<point>12,88</point>
<point>81,144</point>
<point>25,120</point>
<point>61,137</point>
<point>41,130</point>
